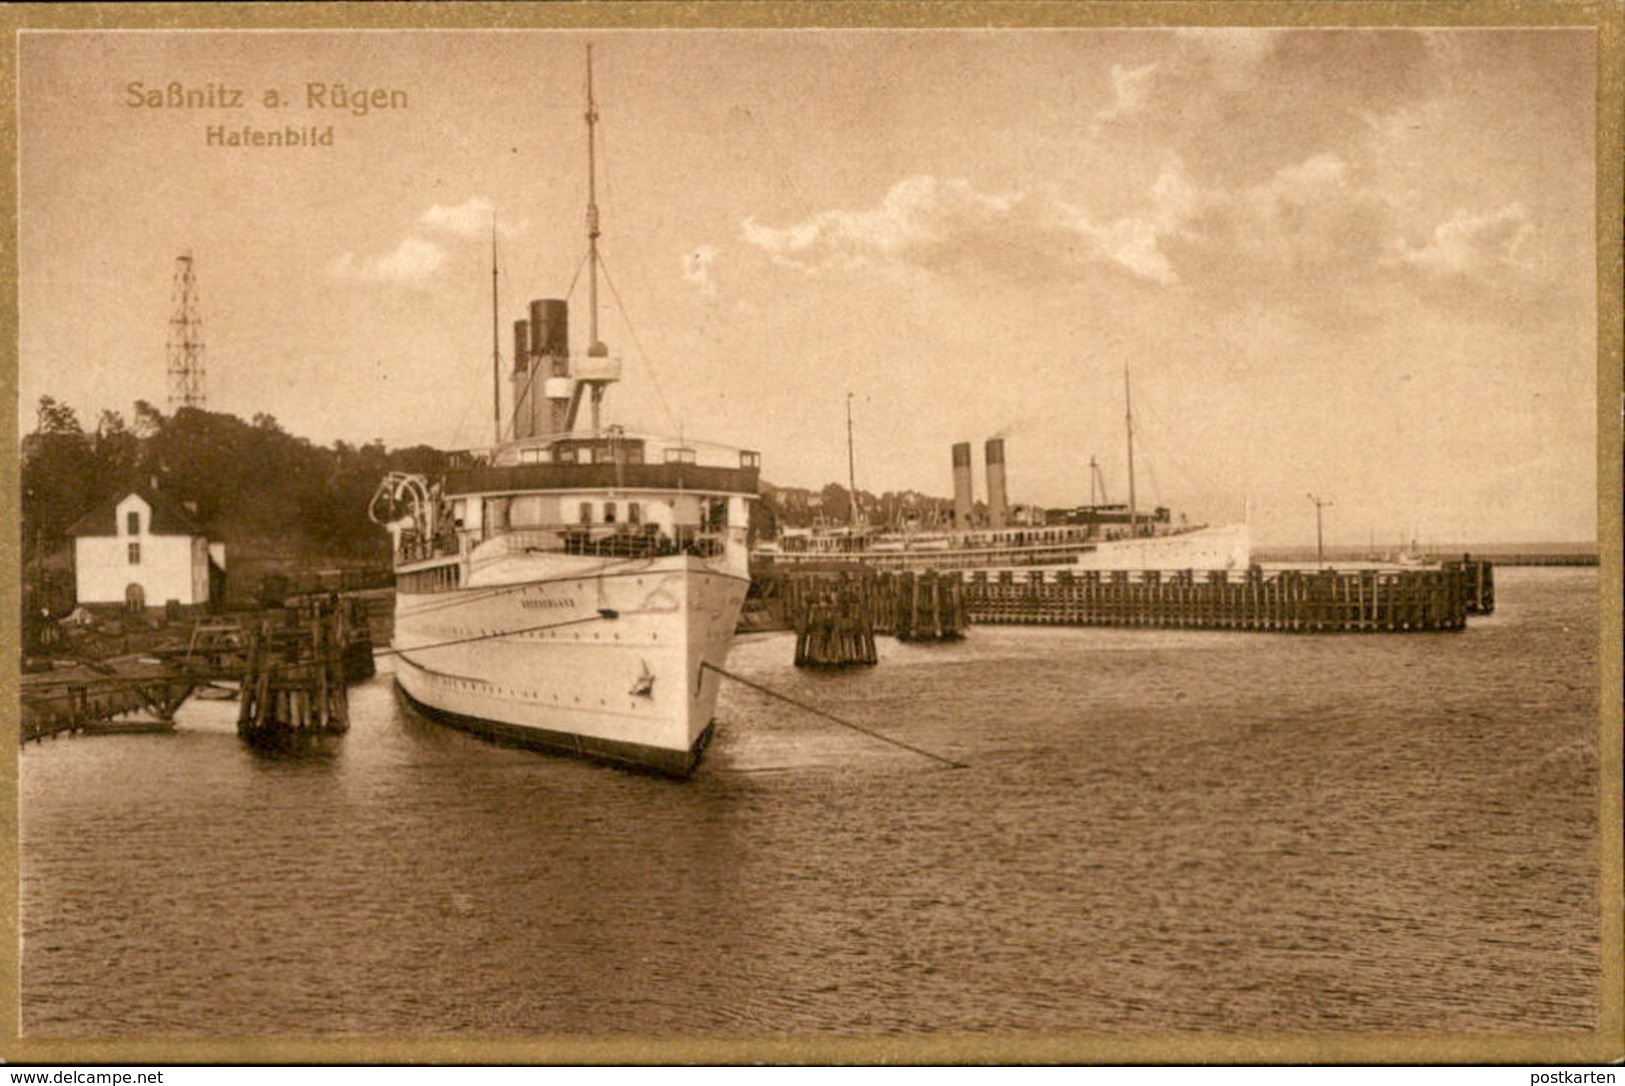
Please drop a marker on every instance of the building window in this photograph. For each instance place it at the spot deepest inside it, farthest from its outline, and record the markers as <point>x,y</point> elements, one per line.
<point>634,513</point>
<point>132,523</point>
<point>609,512</point>
<point>586,512</point>
<point>135,553</point>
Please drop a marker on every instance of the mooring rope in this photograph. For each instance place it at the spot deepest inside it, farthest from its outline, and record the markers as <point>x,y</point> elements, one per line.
<point>759,688</point>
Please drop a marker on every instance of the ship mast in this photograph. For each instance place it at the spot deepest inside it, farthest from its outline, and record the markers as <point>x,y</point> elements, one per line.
<point>496,343</point>
<point>595,347</point>
<point>851,469</point>
<point>1128,406</point>
<point>1097,484</point>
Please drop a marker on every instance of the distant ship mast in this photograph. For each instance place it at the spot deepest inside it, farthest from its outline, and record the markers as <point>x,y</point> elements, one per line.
<point>595,346</point>
<point>1128,406</point>
<point>496,338</point>
<point>851,469</point>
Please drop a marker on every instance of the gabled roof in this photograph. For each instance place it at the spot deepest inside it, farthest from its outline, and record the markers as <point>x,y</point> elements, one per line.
<point>169,517</point>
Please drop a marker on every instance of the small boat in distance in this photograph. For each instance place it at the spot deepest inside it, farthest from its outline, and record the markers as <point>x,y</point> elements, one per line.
<point>571,590</point>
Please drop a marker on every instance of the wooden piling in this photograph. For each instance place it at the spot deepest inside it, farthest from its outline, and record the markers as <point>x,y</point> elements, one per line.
<point>293,684</point>
<point>834,622</point>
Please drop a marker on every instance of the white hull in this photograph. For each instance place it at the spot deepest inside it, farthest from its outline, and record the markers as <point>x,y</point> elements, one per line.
<point>606,660</point>
<point>1226,547</point>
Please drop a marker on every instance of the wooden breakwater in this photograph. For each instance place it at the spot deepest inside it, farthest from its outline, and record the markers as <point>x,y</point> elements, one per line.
<point>1275,601</point>
<point>929,606</point>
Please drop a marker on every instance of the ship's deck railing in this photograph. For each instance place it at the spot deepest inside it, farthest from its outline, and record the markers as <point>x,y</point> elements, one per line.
<point>599,540</point>
<point>486,545</point>
<point>608,446</point>
<point>936,559</point>
<point>1002,542</point>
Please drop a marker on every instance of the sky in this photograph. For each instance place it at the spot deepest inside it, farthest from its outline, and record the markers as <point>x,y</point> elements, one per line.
<point>1352,264</point>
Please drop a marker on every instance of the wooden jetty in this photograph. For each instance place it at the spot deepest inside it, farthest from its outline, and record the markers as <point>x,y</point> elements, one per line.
<point>293,682</point>
<point>218,647</point>
<point>290,669</point>
<point>350,620</point>
<point>1277,601</point>
<point>89,697</point>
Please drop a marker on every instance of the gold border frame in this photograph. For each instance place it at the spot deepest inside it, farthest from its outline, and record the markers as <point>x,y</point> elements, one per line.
<point>1605,1045</point>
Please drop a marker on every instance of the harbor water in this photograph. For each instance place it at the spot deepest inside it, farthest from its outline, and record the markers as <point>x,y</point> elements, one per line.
<point>1156,831</point>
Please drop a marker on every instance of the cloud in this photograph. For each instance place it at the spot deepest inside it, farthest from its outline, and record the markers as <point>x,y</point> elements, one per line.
<point>1238,104</point>
<point>1466,244</point>
<point>697,265</point>
<point>917,216</point>
<point>1316,232</point>
<point>469,219</point>
<point>940,226</point>
<point>417,259</point>
<point>1129,86</point>
<point>412,263</point>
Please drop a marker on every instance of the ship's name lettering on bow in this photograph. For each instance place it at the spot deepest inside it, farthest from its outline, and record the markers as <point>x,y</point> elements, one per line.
<point>547,604</point>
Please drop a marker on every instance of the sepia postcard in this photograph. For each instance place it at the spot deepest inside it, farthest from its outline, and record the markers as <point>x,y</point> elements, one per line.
<point>814,533</point>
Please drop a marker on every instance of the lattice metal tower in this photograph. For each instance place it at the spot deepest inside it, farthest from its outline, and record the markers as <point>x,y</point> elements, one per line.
<point>185,338</point>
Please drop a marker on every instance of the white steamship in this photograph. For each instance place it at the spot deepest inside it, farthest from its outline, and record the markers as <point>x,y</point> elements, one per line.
<point>1098,536</point>
<point>571,589</point>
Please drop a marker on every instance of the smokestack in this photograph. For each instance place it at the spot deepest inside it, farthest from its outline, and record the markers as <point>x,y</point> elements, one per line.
<point>550,350</point>
<point>963,499</point>
<point>997,508</point>
<point>521,345</point>
<point>521,380</point>
<point>550,330</point>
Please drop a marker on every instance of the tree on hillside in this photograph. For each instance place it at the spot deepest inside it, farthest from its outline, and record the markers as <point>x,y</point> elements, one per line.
<point>117,453</point>
<point>58,477</point>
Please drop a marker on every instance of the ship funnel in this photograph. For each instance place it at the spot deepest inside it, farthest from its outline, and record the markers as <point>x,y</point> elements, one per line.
<point>521,345</point>
<point>550,330</point>
<point>998,509</point>
<point>541,352</point>
<point>963,499</point>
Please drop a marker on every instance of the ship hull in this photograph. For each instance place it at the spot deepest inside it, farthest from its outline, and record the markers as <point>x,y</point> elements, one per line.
<point>611,666</point>
<point>1227,547</point>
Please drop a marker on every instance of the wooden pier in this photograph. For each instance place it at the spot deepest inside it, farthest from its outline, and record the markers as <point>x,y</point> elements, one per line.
<point>1278,601</point>
<point>289,668</point>
<point>89,698</point>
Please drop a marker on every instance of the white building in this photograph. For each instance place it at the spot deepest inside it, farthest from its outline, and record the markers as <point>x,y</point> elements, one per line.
<point>143,549</point>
